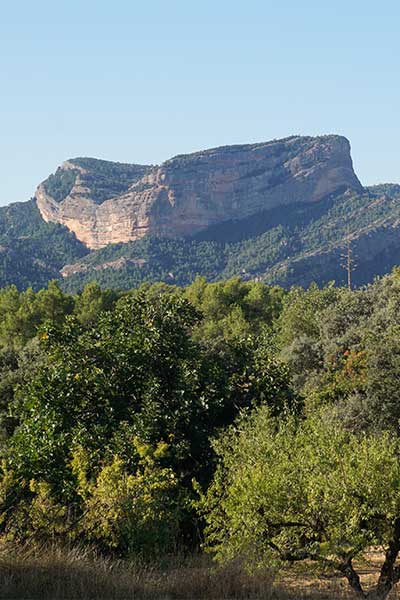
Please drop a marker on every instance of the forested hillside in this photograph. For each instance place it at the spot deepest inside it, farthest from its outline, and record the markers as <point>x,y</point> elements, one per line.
<point>291,245</point>
<point>32,252</point>
<point>259,424</point>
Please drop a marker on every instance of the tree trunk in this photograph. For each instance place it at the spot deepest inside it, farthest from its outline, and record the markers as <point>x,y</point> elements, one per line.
<point>353,578</point>
<point>379,593</point>
<point>388,577</point>
<point>383,589</point>
<point>390,574</point>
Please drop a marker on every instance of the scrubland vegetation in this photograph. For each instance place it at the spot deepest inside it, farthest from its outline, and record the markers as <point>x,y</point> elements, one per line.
<point>225,440</point>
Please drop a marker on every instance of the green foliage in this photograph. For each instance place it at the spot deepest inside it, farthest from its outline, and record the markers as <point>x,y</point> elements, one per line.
<point>59,185</point>
<point>233,309</point>
<point>289,491</point>
<point>20,219</point>
<point>124,266</point>
<point>104,179</point>
<point>32,252</point>
<point>109,403</point>
<point>17,367</point>
<point>92,302</point>
<point>114,386</point>
<point>137,364</point>
<point>342,350</point>
<point>138,513</point>
<point>21,314</point>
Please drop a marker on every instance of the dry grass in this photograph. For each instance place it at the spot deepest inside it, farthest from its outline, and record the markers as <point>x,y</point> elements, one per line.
<point>76,574</point>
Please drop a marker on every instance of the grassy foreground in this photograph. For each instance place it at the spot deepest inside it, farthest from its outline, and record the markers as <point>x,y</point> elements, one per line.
<point>77,574</point>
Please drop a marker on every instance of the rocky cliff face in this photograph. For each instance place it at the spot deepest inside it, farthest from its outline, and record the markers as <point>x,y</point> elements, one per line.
<point>105,203</point>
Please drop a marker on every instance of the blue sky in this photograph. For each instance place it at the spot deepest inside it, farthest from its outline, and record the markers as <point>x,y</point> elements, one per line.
<point>142,81</point>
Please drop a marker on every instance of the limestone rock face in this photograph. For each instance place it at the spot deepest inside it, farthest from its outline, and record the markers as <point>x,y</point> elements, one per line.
<point>105,203</point>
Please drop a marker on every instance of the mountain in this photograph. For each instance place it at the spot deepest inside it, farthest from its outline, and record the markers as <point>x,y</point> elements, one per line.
<point>281,211</point>
<point>106,203</point>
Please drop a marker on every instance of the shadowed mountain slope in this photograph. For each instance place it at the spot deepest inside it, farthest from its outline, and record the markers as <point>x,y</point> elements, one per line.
<point>280,211</point>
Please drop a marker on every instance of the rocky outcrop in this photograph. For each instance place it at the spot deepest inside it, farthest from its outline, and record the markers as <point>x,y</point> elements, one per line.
<point>189,193</point>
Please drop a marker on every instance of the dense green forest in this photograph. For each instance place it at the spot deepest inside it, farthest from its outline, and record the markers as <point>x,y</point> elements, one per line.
<point>32,252</point>
<point>290,245</point>
<point>235,418</point>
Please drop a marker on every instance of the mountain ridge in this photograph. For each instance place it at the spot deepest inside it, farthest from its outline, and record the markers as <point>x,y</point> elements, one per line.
<point>291,210</point>
<point>189,193</point>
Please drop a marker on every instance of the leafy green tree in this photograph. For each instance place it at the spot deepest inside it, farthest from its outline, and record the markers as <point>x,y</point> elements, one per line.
<point>137,365</point>
<point>21,313</point>
<point>17,368</point>
<point>138,512</point>
<point>92,301</point>
<point>136,373</point>
<point>53,305</point>
<point>300,312</point>
<point>233,309</point>
<point>342,349</point>
<point>18,318</point>
<point>382,369</point>
<point>288,491</point>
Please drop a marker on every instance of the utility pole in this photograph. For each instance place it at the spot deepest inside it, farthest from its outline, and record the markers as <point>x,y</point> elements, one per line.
<point>348,263</point>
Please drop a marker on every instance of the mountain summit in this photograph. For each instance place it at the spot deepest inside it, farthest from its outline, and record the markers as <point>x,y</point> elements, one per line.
<point>106,203</point>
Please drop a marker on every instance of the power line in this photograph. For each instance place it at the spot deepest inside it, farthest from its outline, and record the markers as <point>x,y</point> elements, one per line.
<point>348,262</point>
